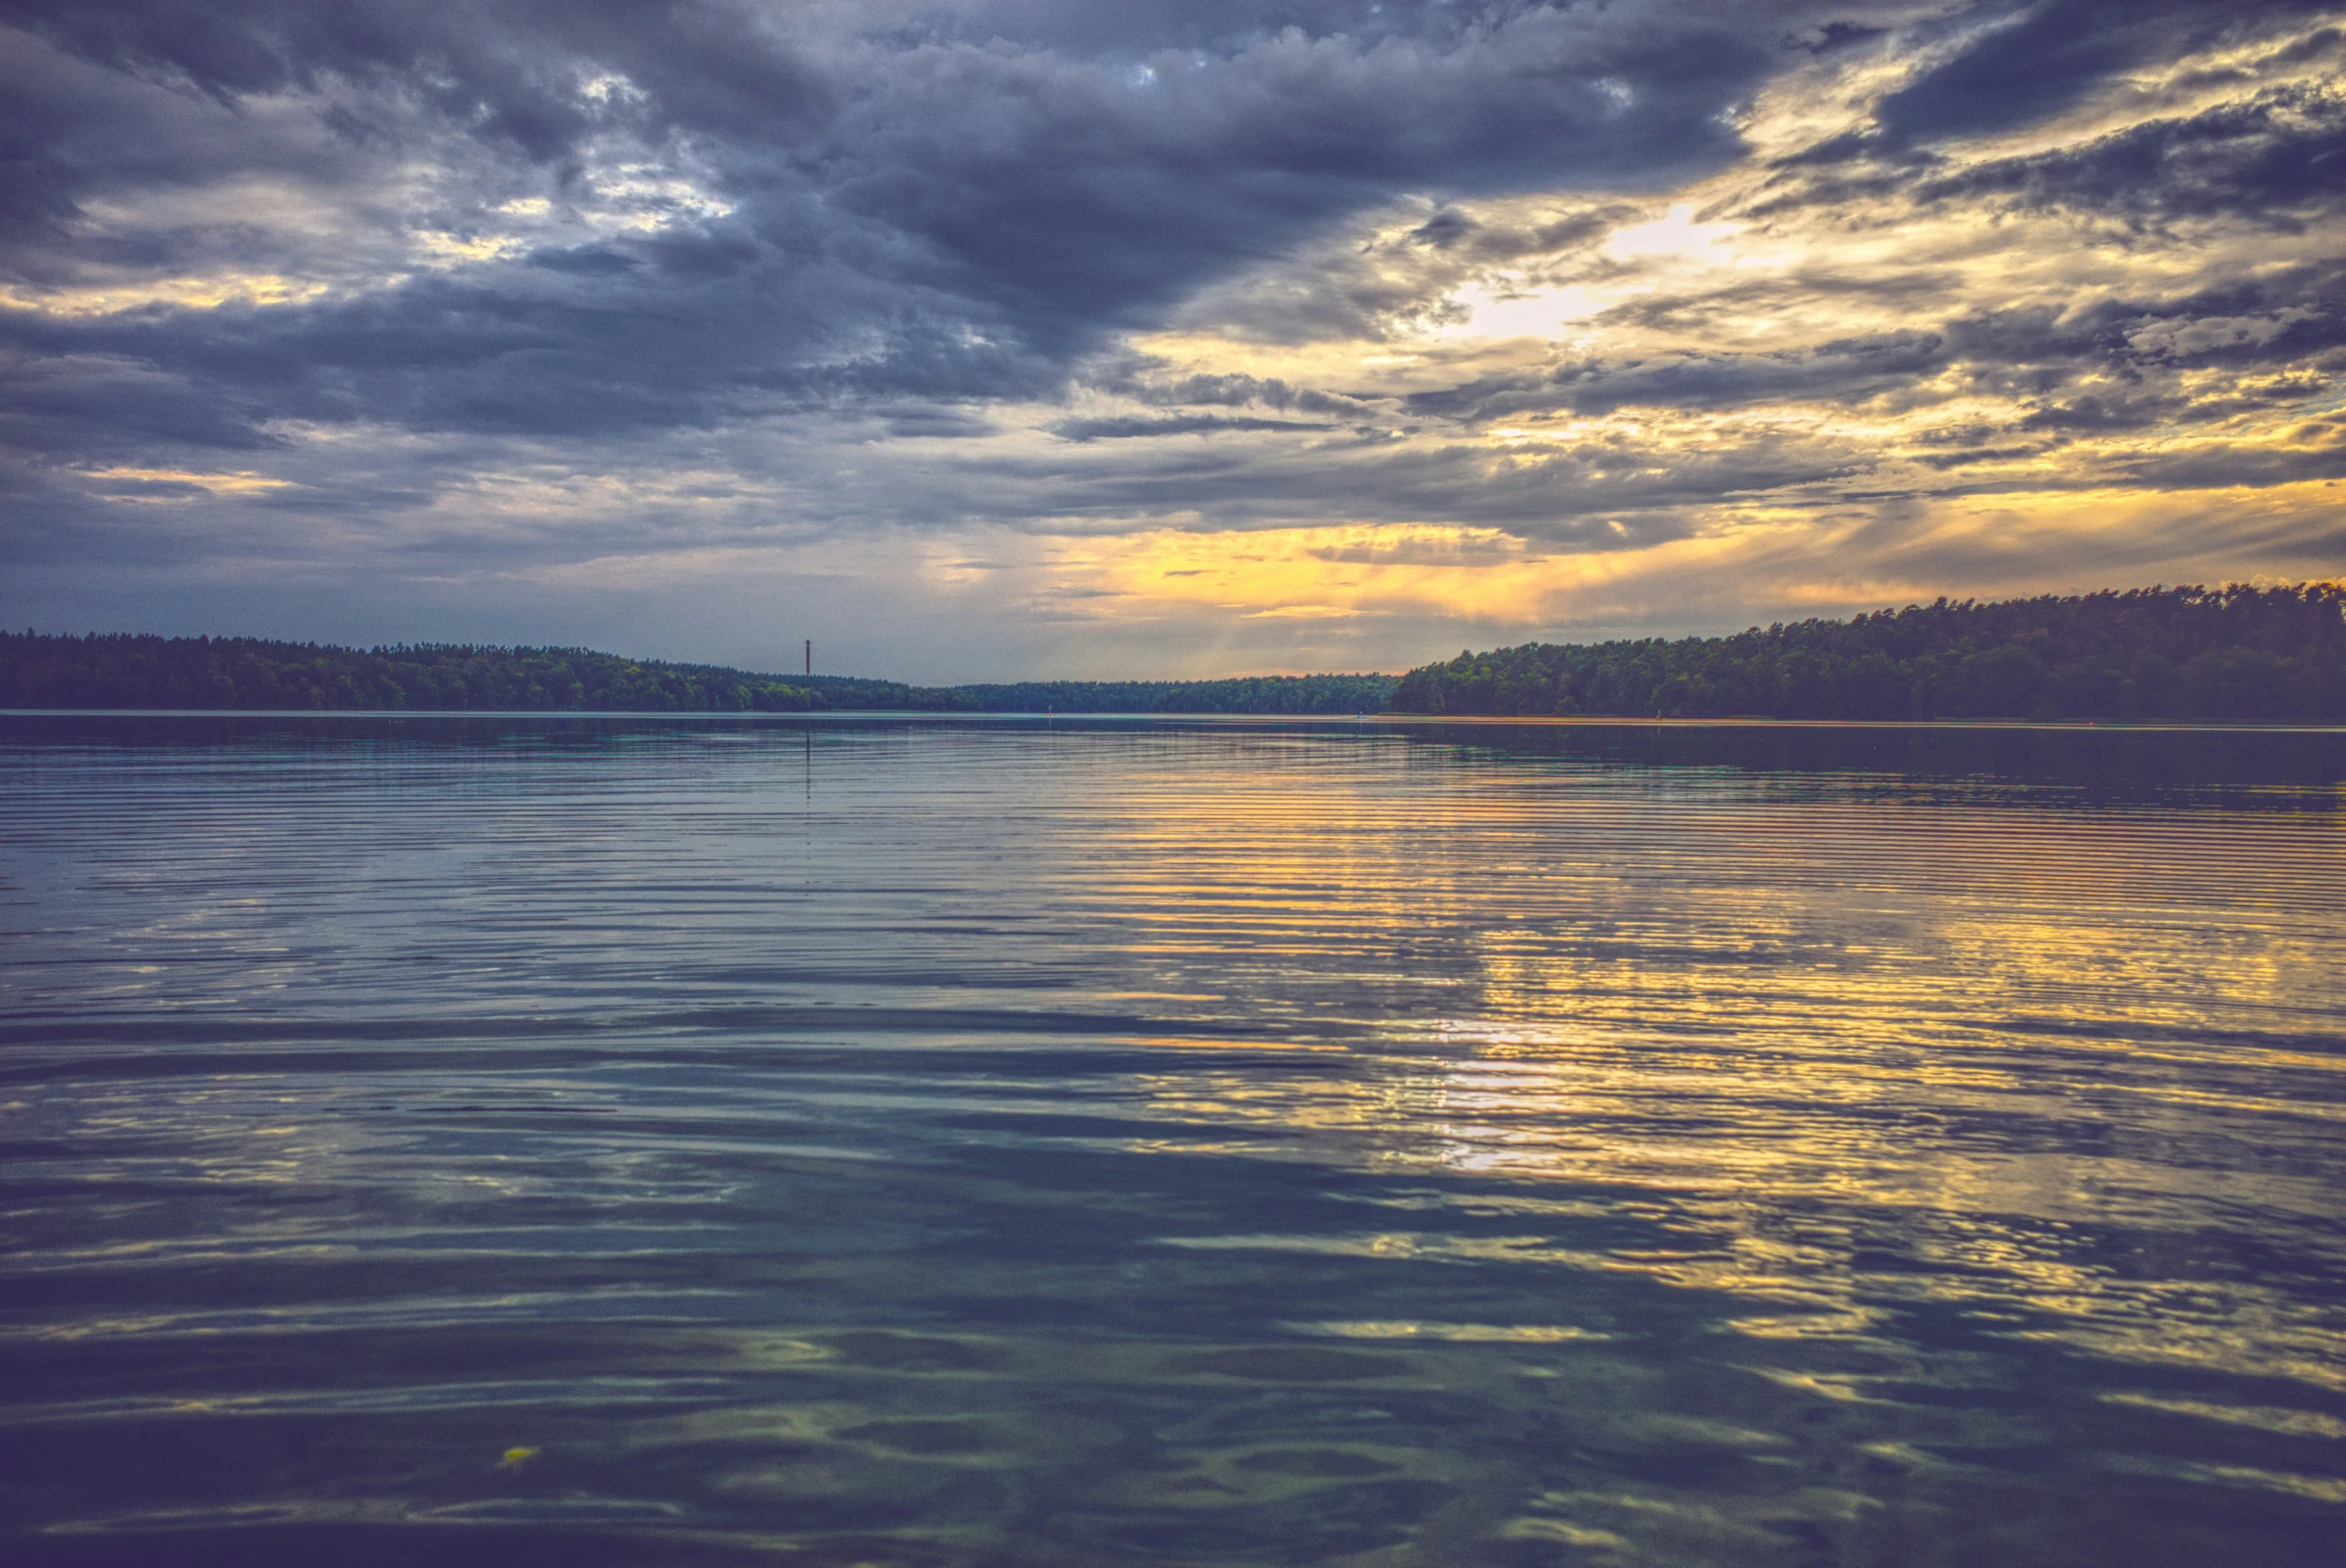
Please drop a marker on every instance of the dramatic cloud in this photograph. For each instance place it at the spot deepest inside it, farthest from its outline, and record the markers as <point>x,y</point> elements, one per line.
<point>988,338</point>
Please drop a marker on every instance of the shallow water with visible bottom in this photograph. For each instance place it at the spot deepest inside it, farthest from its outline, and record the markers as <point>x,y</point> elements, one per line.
<point>834,1143</point>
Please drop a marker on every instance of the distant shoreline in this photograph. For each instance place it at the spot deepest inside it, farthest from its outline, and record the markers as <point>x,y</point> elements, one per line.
<point>2235,656</point>
<point>132,670</point>
<point>1382,720</point>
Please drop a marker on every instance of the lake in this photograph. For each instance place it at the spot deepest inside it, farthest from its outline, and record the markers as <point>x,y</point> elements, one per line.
<point>674,1141</point>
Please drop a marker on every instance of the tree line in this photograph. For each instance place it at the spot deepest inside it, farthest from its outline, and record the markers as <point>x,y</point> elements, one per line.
<point>2241,652</point>
<point>134,672</point>
<point>2238,654</point>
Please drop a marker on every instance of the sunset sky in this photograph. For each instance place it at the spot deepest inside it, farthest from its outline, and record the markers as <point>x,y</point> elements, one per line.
<point>981,339</point>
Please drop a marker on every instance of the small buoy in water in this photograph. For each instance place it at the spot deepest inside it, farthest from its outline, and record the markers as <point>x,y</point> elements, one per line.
<point>515,1458</point>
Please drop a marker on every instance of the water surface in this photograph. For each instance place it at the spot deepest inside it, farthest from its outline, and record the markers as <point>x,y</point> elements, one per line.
<point>671,1142</point>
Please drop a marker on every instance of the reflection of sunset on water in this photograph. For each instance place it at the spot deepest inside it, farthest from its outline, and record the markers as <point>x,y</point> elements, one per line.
<point>1736,1005</point>
<point>1703,1141</point>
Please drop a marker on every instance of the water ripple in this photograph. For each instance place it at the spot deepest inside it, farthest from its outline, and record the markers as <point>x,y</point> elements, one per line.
<point>671,1142</point>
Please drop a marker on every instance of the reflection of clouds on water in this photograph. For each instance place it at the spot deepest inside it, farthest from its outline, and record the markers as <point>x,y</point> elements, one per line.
<point>1100,1141</point>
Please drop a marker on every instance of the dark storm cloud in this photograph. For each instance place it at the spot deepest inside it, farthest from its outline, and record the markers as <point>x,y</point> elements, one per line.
<point>1841,370</point>
<point>2269,160</point>
<point>2228,463</point>
<point>509,72</point>
<point>99,406</point>
<point>511,285</point>
<point>1567,495</point>
<point>1078,196</point>
<point>2127,353</point>
<point>682,345</point>
<point>1122,428</point>
<point>2266,157</point>
<point>2284,316</point>
<point>2041,59</point>
<point>934,423</point>
<point>922,207</point>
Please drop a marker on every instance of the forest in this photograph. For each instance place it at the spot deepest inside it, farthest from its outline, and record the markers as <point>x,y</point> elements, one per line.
<point>249,673</point>
<point>139,672</point>
<point>2239,653</point>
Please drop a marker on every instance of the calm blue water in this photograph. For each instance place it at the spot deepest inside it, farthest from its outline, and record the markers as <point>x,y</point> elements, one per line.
<point>676,1143</point>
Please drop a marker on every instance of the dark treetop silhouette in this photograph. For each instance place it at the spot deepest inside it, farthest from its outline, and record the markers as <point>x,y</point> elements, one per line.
<point>246,672</point>
<point>2274,655</point>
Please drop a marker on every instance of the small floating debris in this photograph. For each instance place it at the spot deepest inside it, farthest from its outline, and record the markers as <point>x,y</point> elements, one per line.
<point>515,1458</point>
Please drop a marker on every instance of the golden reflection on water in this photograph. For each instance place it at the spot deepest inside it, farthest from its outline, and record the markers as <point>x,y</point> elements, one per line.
<point>1084,1147</point>
<point>1741,1008</point>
